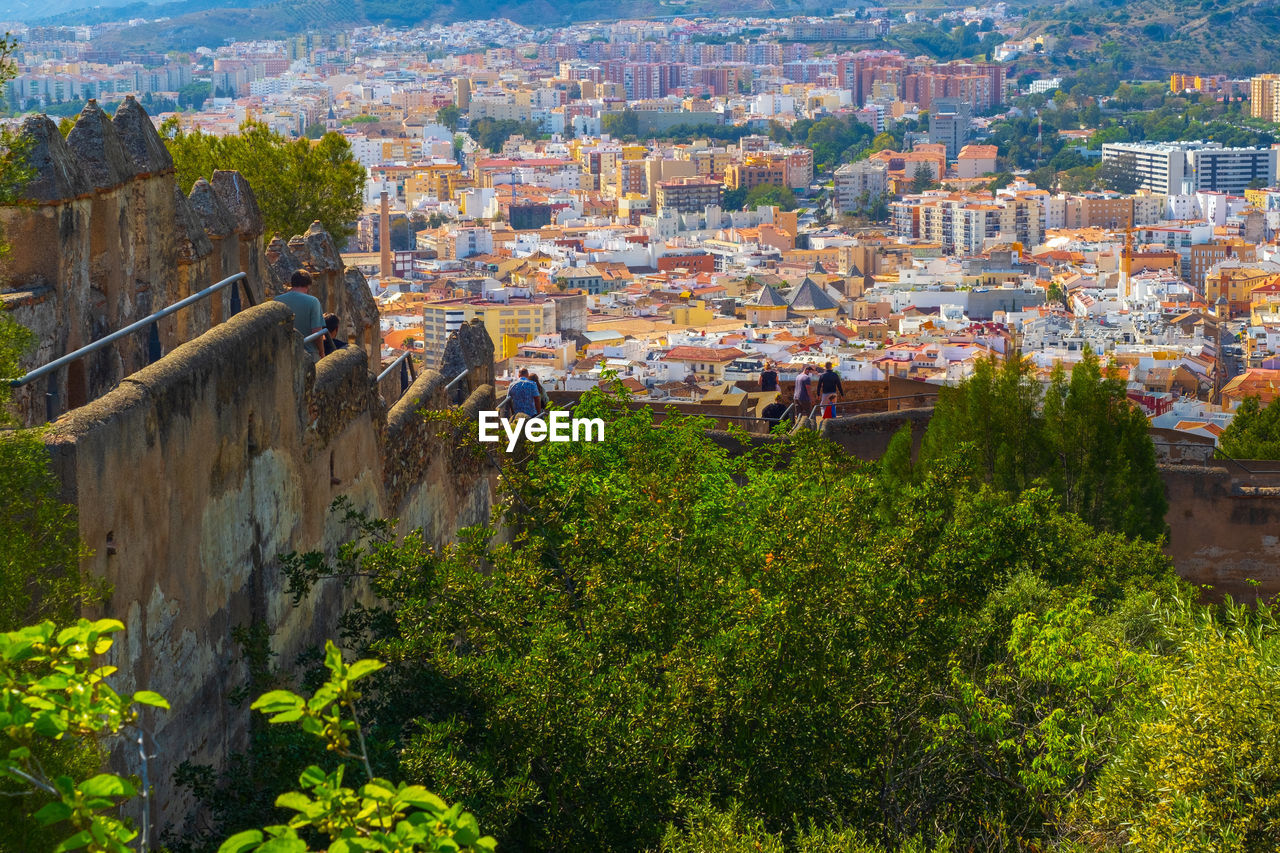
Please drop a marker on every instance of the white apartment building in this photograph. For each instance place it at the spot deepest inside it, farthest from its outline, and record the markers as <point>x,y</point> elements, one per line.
<point>854,179</point>
<point>1182,168</point>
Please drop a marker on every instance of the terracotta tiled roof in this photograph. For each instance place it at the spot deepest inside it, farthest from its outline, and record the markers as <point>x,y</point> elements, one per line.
<point>688,353</point>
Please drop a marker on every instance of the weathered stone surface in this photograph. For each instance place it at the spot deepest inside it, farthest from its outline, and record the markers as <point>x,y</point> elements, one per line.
<point>214,216</point>
<point>237,197</point>
<point>281,264</point>
<point>193,242</point>
<point>316,250</point>
<point>469,349</point>
<point>97,146</point>
<point>139,137</point>
<point>203,467</point>
<point>57,173</point>
<point>362,309</point>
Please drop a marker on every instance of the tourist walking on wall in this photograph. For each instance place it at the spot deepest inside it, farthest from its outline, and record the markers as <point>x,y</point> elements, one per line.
<point>544,399</point>
<point>803,398</point>
<point>829,390</point>
<point>332,343</point>
<point>308,315</point>
<point>524,395</point>
<point>769,378</point>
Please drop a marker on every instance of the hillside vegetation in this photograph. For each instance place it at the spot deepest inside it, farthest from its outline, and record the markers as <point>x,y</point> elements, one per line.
<point>1150,38</point>
<point>207,22</point>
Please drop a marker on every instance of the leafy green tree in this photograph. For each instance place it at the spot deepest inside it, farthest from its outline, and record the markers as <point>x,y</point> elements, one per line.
<point>621,125</point>
<point>766,195</point>
<point>1254,432</point>
<point>1200,770</point>
<point>449,116</point>
<point>194,94</point>
<point>923,179</point>
<point>494,133</point>
<point>672,622</point>
<point>55,689</point>
<point>296,182</point>
<point>734,199</point>
<point>1082,437</point>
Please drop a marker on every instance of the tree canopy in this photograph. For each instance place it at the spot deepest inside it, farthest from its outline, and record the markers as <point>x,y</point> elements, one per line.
<point>685,649</point>
<point>1254,432</point>
<point>296,182</point>
<point>1081,437</point>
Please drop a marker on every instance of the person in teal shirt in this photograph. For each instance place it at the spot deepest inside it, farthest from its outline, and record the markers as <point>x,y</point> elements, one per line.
<point>308,315</point>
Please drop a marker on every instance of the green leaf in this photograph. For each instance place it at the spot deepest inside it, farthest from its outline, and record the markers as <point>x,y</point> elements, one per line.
<point>75,842</point>
<point>361,668</point>
<point>276,700</point>
<point>49,724</point>
<point>149,697</point>
<point>294,800</point>
<point>52,813</point>
<point>312,777</point>
<point>106,785</point>
<point>242,841</point>
<point>332,656</point>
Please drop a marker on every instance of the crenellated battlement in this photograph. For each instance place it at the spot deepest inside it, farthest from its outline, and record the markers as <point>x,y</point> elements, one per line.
<point>194,471</point>
<point>104,237</point>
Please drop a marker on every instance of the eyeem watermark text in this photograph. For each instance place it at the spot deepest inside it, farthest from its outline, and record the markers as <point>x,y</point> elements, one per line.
<point>555,425</point>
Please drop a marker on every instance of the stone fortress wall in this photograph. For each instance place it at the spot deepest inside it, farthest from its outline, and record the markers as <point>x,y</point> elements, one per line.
<point>193,473</point>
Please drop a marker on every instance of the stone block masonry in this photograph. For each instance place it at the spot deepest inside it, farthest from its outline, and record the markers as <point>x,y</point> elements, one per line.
<point>105,238</point>
<point>192,474</point>
<point>197,471</point>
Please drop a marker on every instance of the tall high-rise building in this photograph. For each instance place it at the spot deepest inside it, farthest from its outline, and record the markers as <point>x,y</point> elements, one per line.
<point>949,121</point>
<point>1264,96</point>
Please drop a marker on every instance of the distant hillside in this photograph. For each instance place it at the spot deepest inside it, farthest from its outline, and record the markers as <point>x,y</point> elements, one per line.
<point>207,22</point>
<point>1150,38</point>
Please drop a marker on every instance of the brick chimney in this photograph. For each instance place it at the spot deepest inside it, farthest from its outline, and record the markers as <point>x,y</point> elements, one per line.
<point>384,238</point>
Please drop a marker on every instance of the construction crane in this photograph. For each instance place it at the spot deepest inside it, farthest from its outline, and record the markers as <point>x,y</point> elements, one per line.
<point>1126,261</point>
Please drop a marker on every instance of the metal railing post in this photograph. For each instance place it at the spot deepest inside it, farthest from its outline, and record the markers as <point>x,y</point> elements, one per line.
<point>154,349</point>
<point>51,397</point>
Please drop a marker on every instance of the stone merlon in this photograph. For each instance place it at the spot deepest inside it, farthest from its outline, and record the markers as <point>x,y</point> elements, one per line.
<point>57,175</point>
<point>237,197</point>
<point>193,242</point>
<point>95,142</point>
<point>140,139</point>
<point>217,220</point>
<point>316,249</point>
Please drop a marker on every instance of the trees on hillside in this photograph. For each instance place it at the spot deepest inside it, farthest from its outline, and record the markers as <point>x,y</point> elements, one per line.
<point>1081,437</point>
<point>296,182</point>
<point>494,133</point>
<point>764,195</point>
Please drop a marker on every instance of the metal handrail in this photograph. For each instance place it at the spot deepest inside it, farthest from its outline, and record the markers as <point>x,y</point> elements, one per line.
<point>393,365</point>
<point>315,336</point>
<point>154,348</point>
<point>456,380</point>
<point>136,326</point>
<point>568,408</point>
